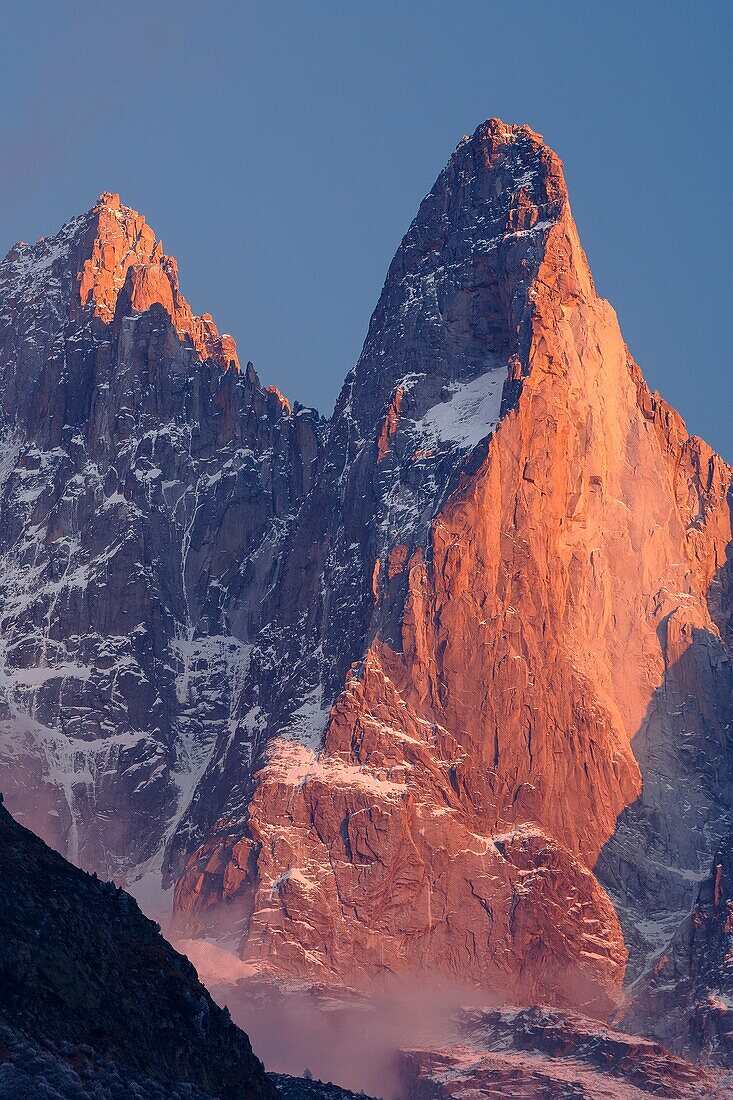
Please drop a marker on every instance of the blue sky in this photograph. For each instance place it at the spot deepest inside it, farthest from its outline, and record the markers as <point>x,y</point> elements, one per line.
<point>281,150</point>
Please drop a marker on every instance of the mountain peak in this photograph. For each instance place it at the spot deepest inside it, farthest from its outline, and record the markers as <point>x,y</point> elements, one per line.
<point>110,199</point>
<point>450,337</point>
<point>127,271</point>
<point>498,145</point>
<point>108,261</point>
<point>440,685</point>
<point>506,131</point>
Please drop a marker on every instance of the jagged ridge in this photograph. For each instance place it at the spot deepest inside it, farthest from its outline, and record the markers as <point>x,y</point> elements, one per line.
<point>441,698</point>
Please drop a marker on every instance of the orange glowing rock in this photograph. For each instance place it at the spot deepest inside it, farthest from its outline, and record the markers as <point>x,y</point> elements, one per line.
<point>128,271</point>
<point>389,427</point>
<point>482,751</point>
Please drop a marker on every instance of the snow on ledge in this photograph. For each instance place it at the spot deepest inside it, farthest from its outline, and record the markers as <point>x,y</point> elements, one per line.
<point>470,414</point>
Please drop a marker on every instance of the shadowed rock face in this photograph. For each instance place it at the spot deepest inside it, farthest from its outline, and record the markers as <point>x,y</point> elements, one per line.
<point>91,989</point>
<point>443,685</point>
<point>145,491</point>
<point>686,998</point>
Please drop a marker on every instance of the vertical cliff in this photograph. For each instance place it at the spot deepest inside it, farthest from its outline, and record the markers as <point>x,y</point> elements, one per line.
<point>686,997</point>
<point>146,482</point>
<point>442,685</point>
<point>507,657</point>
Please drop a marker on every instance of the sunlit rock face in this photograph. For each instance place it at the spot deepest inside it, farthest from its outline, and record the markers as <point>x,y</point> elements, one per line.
<point>502,609</point>
<point>442,685</point>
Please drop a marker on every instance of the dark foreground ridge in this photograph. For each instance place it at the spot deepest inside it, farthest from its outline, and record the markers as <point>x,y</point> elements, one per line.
<point>95,1002</point>
<point>96,1005</point>
<point>300,1088</point>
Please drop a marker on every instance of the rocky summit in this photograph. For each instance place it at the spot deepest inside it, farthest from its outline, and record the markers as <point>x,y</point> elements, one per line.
<point>439,687</point>
<point>147,482</point>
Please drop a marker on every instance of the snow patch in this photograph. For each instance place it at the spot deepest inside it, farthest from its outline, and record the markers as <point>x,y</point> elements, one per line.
<point>308,723</point>
<point>471,413</point>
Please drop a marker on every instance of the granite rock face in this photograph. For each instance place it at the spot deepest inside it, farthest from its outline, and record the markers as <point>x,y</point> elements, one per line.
<point>499,742</point>
<point>441,685</point>
<point>146,482</point>
<point>550,1055</point>
<point>686,997</point>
